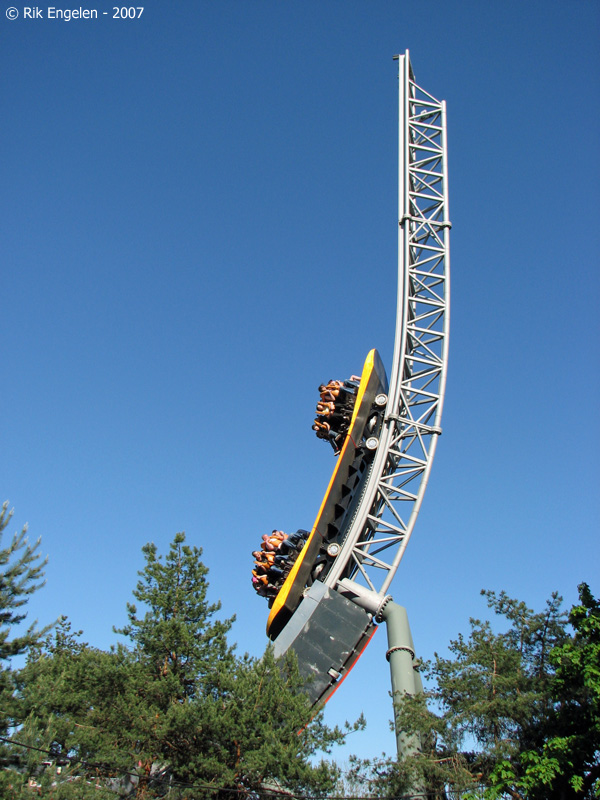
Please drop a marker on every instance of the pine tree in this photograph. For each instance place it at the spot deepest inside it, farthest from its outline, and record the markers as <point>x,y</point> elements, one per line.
<point>21,574</point>
<point>511,714</point>
<point>177,636</point>
<point>219,719</point>
<point>55,750</point>
<point>179,708</point>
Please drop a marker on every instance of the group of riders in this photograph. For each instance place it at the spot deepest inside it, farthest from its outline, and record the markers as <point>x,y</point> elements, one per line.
<point>279,550</point>
<point>273,561</point>
<point>334,411</point>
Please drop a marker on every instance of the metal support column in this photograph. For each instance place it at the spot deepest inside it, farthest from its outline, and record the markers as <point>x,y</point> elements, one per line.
<point>405,678</point>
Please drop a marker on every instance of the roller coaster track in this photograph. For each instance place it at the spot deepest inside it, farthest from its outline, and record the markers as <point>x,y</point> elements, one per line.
<point>384,521</point>
<point>332,619</point>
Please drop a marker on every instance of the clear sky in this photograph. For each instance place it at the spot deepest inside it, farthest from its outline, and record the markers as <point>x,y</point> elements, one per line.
<point>198,218</point>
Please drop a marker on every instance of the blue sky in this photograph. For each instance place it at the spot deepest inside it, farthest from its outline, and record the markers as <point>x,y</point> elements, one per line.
<point>198,214</point>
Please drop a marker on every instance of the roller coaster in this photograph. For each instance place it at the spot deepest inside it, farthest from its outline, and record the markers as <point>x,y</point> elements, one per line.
<point>333,580</point>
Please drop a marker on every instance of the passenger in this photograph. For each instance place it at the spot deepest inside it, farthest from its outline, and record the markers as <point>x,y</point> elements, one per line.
<point>267,544</point>
<point>285,548</point>
<point>298,536</point>
<point>325,409</point>
<point>325,427</point>
<point>347,395</point>
<point>335,405</point>
<point>272,562</point>
<point>293,544</point>
<point>275,574</point>
<point>336,418</point>
<point>335,439</point>
<point>321,427</point>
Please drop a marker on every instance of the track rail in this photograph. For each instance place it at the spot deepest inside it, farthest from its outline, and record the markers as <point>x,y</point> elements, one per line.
<point>386,515</point>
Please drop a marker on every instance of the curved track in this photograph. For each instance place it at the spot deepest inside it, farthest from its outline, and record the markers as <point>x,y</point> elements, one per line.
<point>378,536</point>
<point>334,621</point>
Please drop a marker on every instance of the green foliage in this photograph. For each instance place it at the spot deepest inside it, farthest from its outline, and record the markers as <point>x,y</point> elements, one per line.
<point>438,764</point>
<point>496,688</point>
<point>177,709</point>
<point>21,573</point>
<point>177,635</point>
<point>512,714</point>
<point>47,780</point>
<point>569,759</point>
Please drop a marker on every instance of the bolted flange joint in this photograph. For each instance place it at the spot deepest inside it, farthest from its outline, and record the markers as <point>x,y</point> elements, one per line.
<point>394,649</point>
<point>379,615</point>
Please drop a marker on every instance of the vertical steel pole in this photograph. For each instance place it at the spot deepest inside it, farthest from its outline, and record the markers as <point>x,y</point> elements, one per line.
<point>401,657</point>
<point>403,212</point>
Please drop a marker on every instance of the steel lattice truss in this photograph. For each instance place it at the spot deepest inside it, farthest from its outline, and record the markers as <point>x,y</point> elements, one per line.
<point>385,518</point>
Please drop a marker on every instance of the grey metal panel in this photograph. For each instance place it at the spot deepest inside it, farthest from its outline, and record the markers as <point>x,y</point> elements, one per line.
<point>327,633</point>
